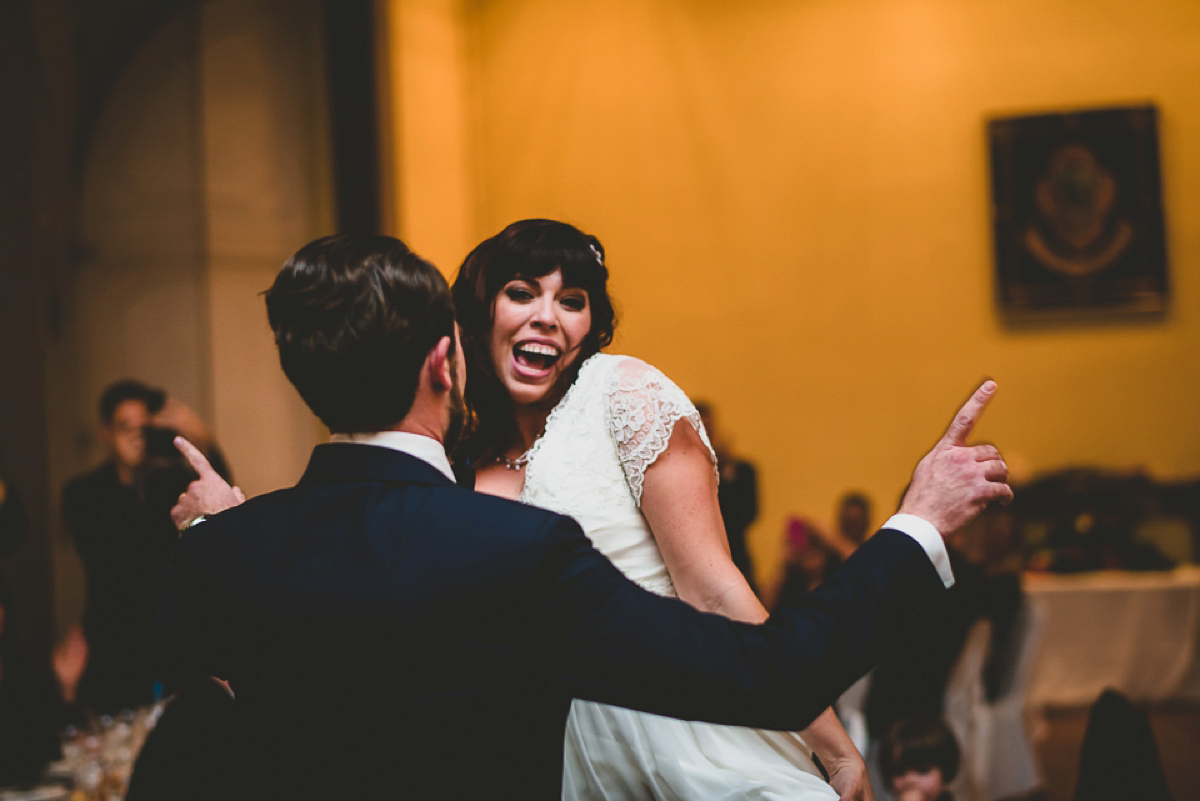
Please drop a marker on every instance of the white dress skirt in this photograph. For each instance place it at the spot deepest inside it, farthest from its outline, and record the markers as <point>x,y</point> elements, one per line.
<point>589,463</point>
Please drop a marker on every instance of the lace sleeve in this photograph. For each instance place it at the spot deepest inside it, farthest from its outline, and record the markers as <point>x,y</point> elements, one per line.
<point>643,408</point>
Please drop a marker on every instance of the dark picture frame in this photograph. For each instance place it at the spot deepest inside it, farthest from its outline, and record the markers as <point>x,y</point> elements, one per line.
<point>1077,213</point>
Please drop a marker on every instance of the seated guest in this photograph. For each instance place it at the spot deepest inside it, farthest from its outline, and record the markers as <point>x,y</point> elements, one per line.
<point>919,758</point>
<point>1119,757</point>
<point>119,516</point>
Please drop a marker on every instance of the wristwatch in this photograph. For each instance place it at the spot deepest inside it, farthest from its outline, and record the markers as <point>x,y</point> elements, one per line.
<point>193,522</point>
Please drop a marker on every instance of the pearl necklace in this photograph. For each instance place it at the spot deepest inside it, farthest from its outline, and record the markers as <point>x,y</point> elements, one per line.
<point>515,464</point>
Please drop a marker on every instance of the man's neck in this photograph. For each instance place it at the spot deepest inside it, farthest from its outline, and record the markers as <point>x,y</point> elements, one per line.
<point>419,427</point>
<point>427,448</point>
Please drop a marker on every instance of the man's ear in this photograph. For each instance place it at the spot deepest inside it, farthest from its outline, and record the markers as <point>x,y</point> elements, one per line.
<point>441,372</point>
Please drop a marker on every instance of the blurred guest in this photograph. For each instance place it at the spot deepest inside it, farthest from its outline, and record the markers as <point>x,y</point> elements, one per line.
<point>14,523</point>
<point>119,516</point>
<point>1119,757</point>
<point>998,593</point>
<point>737,493</point>
<point>999,546</point>
<point>853,519</point>
<point>912,683</point>
<point>919,757</point>
<point>34,700</point>
<point>808,560</point>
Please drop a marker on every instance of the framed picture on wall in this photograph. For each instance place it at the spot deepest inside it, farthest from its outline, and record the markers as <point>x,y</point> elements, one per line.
<point>1077,213</point>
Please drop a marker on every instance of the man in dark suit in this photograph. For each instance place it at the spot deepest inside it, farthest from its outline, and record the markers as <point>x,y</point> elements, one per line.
<point>389,634</point>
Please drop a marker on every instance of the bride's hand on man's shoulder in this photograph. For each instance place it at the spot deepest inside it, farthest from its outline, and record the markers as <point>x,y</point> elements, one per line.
<point>207,495</point>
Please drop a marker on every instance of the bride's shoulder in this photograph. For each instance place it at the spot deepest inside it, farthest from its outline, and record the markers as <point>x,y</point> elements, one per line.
<point>628,377</point>
<point>626,367</point>
<point>605,370</point>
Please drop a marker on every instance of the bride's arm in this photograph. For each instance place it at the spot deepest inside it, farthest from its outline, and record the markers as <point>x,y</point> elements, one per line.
<point>679,500</point>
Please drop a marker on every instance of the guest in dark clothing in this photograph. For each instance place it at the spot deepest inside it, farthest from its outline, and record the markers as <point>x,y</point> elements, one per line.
<point>119,516</point>
<point>854,519</point>
<point>1119,758</point>
<point>14,523</point>
<point>912,683</point>
<point>737,493</point>
<point>919,757</point>
<point>31,715</point>
<point>33,702</point>
<point>34,705</point>
<point>809,560</point>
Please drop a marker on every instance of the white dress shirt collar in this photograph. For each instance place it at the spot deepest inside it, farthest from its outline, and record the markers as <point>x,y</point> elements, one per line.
<point>427,449</point>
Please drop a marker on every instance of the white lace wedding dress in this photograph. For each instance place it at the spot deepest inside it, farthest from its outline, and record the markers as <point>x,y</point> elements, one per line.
<point>590,463</point>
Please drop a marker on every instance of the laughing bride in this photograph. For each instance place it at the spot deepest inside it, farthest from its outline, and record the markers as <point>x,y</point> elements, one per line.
<point>592,435</point>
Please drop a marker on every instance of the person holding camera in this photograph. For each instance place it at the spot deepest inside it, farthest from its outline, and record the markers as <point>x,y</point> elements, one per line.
<point>119,517</point>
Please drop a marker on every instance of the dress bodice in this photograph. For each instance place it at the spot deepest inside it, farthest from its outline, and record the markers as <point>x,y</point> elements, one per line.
<point>590,462</point>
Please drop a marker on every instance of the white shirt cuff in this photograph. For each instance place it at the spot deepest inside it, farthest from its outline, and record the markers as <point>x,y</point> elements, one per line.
<point>928,538</point>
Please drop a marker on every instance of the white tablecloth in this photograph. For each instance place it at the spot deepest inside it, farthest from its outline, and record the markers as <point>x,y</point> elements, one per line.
<point>1136,632</point>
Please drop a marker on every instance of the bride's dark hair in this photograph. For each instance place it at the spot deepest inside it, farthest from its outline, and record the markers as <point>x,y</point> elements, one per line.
<point>525,249</point>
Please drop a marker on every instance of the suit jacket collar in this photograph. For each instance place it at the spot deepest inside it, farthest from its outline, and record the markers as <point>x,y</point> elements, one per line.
<point>345,461</point>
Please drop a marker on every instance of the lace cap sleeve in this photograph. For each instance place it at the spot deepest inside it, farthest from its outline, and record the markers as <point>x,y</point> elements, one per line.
<point>643,408</point>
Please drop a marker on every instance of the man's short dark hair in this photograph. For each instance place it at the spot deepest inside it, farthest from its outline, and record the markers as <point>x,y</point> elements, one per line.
<point>126,390</point>
<point>354,318</point>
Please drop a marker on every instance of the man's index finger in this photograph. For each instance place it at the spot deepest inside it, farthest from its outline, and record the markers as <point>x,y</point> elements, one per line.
<point>960,428</point>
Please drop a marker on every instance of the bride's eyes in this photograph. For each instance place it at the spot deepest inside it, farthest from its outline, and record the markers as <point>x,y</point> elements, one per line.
<point>520,292</point>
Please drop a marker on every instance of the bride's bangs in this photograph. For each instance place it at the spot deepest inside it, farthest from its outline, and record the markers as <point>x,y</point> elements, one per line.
<point>580,270</point>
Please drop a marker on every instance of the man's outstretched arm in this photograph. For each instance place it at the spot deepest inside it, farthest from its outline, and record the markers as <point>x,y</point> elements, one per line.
<point>607,640</point>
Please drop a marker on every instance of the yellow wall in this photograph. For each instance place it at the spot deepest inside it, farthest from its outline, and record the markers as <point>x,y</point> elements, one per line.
<point>794,200</point>
<point>426,132</point>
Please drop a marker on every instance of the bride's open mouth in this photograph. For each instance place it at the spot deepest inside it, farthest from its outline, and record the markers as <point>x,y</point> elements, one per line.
<point>535,357</point>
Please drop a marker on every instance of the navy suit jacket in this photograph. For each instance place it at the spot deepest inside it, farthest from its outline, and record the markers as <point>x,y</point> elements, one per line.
<point>388,632</point>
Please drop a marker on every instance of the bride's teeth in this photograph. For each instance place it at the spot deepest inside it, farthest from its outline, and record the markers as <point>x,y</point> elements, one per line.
<point>539,349</point>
